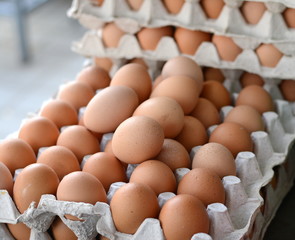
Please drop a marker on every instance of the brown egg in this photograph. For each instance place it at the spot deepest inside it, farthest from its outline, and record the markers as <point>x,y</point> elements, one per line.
<point>79,140</point>
<point>19,231</point>
<point>192,134</point>
<point>95,76</point>
<point>251,79</point>
<point>111,35</point>
<point>106,168</point>
<point>6,179</point>
<point>61,231</point>
<point>108,148</point>
<point>247,116</point>
<point>233,136</point>
<point>156,174</point>
<point>95,134</point>
<point>104,63</point>
<point>16,153</point>
<point>135,4</point>
<point>139,61</point>
<point>256,97</point>
<point>183,66</point>
<point>188,41</point>
<point>289,17</point>
<point>166,111</point>
<point>109,107</point>
<point>137,139</point>
<point>183,208</point>
<point>60,112</point>
<point>61,159</point>
<point>39,132</point>
<point>227,49</point>
<point>216,93</point>
<point>207,186</point>
<point>31,183</point>
<point>287,88</point>
<point>184,90</point>
<point>174,155</point>
<point>213,74</point>
<point>135,76</point>
<point>252,11</point>
<point>268,55</point>
<point>173,6</point>
<point>149,38</point>
<point>206,112</point>
<point>212,8</point>
<point>131,205</point>
<point>76,93</point>
<point>216,157</point>
<point>157,80</point>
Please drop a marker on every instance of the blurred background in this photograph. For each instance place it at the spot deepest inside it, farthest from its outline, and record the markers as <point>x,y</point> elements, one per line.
<point>31,76</point>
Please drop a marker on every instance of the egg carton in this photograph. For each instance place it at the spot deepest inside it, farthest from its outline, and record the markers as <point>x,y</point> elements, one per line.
<point>270,28</point>
<point>91,45</point>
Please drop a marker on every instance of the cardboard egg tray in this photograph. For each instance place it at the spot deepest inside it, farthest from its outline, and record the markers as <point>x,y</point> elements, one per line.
<point>270,28</point>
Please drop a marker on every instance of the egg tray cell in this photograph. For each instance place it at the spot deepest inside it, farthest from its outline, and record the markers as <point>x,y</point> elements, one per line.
<point>270,28</point>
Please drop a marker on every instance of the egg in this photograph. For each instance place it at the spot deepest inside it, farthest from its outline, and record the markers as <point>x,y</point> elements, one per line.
<point>174,155</point>
<point>227,49</point>
<point>247,79</point>
<point>106,168</point>
<point>137,139</point>
<point>149,38</point>
<point>61,159</point>
<point>16,153</point>
<point>32,182</point>
<point>98,2</point>
<point>79,140</point>
<point>212,8</point>
<point>166,111</point>
<point>111,35</point>
<point>60,112</point>
<point>135,76</point>
<point>252,11</point>
<point>38,132</point>
<point>156,174</point>
<point>256,97</point>
<point>206,112</point>
<point>287,88</point>
<point>135,4</point>
<point>188,41</point>
<point>207,186</point>
<point>109,107</point>
<point>6,180</point>
<point>140,61</point>
<point>183,216</point>
<point>173,6</point>
<point>131,205</point>
<point>61,231</point>
<point>213,74</point>
<point>104,63</point>
<point>268,55</point>
<point>216,157</point>
<point>233,136</point>
<point>156,81</point>
<point>19,231</point>
<point>289,17</point>
<point>192,134</point>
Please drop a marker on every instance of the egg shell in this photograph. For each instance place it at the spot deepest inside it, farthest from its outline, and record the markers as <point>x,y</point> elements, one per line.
<point>212,8</point>
<point>287,88</point>
<point>104,63</point>
<point>19,231</point>
<point>289,17</point>
<point>251,79</point>
<point>111,35</point>
<point>6,180</point>
<point>61,231</point>
<point>215,74</point>
<point>268,55</point>
<point>173,6</point>
<point>252,11</point>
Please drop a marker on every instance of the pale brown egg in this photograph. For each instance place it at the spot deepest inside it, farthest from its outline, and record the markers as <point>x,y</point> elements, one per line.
<point>251,79</point>
<point>111,35</point>
<point>135,76</point>
<point>61,159</point>
<point>188,41</point>
<point>19,231</point>
<point>96,77</point>
<point>108,148</point>
<point>131,205</point>
<point>252,11</point>
<point>174,155</point>
<point>256,97</point>
<point>76,93</point>
<point>60,112</point>
<point>268,55</point>
<point>227,49</point>
<point>109,107</point>
<point>39,132</point>
<point>213,74</point>
<point>192,134</point>
<point>206,112</point>
<point>31,183</point>
<point>6,179</point>
<point>61,231</point>
<point>106,168</point>
<point>287,88</point>
<point>183,208</point>
<point>16,153</point>
<point>157,80</point>
<point>207,186</point>
<point>104,63</point>
<point>156,174</point>
<point>149,38</point>
<point>96,134</point>
<point>173,6</point>
<point>137,139</point>
<point>139,61</point>
<point>289,17</point>
<point>79,140</point>
<point>212,8</point>
<point>135,4</point>
<point>233,136</point>
<point>247,116</point>
<point>166,111</point>
<point>216,157</point>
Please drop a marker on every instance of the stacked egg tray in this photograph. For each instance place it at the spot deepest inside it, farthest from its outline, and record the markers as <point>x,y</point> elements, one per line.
<point>270,29</point>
